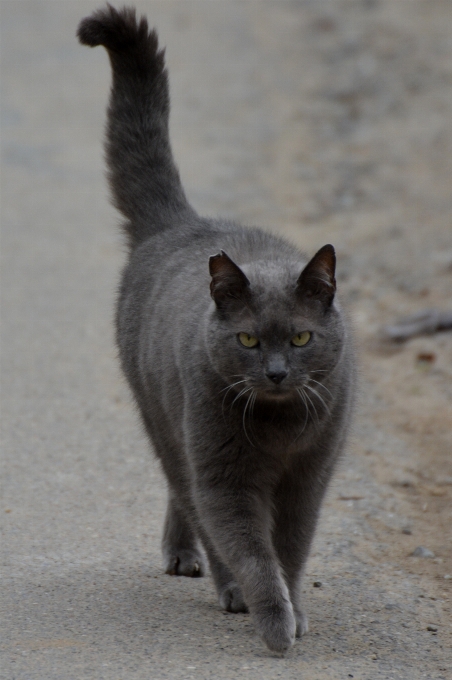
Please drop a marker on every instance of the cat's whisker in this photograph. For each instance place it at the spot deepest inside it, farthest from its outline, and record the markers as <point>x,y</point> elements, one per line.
<point>311,389</point>
<point>248,401</point>
<point>302,397</point>
<point>251,411</point>
<point>229,387</point>
<point>321,385</point>
<point>240,394</point>
<point>254,402</point>
<point>313,406</point>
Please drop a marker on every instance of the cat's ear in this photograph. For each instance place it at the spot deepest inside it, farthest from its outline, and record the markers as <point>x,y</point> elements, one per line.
<point>228,281</point>
<point>317,278</point>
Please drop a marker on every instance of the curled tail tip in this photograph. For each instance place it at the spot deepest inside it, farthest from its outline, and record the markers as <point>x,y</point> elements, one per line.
<point>116,30</point>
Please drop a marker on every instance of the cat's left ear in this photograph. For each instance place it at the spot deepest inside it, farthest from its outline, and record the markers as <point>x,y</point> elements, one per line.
<point>317,278</point>
<point>228,283</point>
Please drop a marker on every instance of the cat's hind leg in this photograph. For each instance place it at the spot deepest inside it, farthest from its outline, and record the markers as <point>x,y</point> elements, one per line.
<point>181,551</point>
<point>181,554</point>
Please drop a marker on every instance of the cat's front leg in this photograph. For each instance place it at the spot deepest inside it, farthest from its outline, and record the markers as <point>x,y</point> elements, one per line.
<point>236,517</point>
<point>298,498</point>
<point>257,584</point>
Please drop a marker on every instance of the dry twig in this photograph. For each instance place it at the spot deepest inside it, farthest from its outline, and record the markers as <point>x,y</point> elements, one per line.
<point>426,322</point>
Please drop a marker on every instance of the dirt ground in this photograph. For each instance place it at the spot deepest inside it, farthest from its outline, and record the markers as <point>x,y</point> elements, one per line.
<point>325,122</point>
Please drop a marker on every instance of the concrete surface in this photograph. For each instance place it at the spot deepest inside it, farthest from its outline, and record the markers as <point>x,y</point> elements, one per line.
<point>325,121</point>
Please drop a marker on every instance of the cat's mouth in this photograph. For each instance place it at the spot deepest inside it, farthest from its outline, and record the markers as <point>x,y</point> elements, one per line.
<point>279,396</point>
<point>277,393</point>
<point>268,392</point>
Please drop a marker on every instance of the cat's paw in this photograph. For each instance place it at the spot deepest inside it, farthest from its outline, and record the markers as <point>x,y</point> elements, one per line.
<point>302,623</point>
<point>185,563</point>
<point>231,599</point>
<point>277,627</point>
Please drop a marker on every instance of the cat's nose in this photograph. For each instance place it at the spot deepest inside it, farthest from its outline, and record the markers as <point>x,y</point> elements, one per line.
<point>277,376</point>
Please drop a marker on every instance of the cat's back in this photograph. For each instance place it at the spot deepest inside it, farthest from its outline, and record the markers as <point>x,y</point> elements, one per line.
<point>165,288</point>
<point>173,267</point>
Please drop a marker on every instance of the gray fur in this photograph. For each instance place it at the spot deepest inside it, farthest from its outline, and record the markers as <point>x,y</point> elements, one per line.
<point>248,437</point>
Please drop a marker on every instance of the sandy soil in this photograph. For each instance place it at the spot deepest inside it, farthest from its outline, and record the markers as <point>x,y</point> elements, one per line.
<point>323,121</point>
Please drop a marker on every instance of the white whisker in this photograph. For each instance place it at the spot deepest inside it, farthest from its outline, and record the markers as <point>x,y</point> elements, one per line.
<point>311,389</point>
<point>313,405</point>
<point>321,385</point>
<point>244,391</point>
<point>229,387</point>
<point>243,417</point>
<point>302,397</point>
<point>251,411</point>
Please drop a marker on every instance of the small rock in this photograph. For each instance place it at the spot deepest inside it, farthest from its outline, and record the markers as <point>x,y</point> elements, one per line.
<point>438,492</point>
<point>317,584</point>
<point>426,358</point>
<point>407,531</point>
<point>432,628</point>
<point>447,577</point>
<point>420,551</point>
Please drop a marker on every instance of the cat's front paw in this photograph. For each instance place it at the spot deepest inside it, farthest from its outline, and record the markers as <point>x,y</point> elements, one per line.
<point>231,599</point>
<point>302,623</point>
<point>185,563</point>
<point>277,627</point>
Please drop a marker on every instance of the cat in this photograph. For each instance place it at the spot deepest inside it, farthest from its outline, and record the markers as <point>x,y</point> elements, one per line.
<point>236,350</point>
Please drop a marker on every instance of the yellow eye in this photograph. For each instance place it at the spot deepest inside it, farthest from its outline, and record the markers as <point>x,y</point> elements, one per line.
<point>301,339</point>
<point>248,340</point>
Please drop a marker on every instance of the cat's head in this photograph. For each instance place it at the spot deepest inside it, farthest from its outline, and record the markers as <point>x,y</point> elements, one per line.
<point>275,326</point>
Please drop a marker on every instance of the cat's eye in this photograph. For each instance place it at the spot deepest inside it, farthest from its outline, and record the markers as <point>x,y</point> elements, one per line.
<point>248,340</point>
<point>301,339</point>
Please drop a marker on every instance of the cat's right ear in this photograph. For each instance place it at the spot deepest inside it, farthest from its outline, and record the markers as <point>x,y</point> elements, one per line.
<point>228,282</point>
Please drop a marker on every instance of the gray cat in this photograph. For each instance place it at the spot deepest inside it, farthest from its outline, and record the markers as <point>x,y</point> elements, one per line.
<point>237,353</point>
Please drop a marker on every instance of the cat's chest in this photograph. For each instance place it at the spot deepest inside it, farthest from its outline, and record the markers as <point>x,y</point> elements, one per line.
<point>282,435</point>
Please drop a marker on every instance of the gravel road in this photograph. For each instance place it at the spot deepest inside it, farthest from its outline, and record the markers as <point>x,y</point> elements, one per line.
<point>325,122</point>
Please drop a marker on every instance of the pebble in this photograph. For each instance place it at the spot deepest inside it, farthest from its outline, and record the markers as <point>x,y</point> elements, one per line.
<point>317,584</point>
<point>420,551</point>
<point>432,628</point>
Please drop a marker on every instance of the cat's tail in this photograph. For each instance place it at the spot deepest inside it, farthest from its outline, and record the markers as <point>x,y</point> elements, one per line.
<point>144,180</point>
